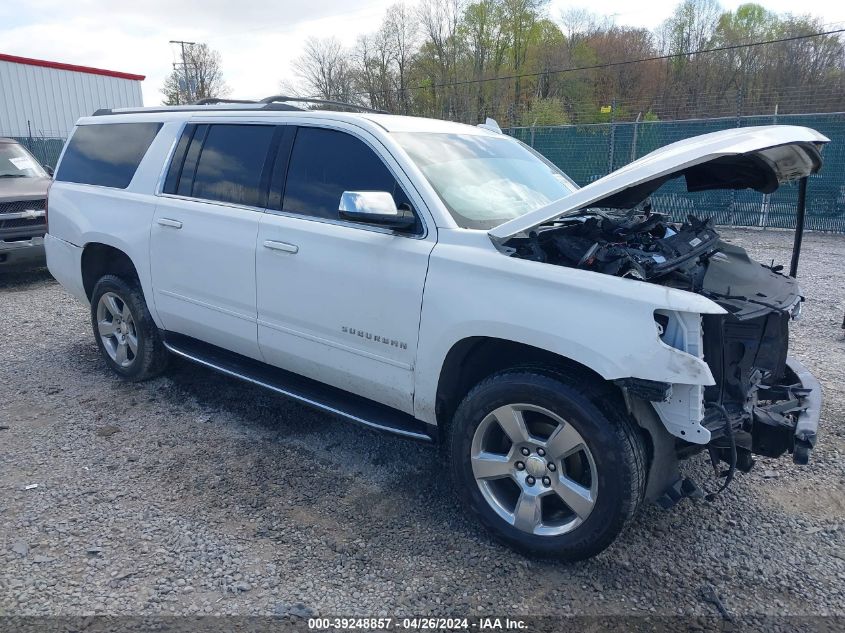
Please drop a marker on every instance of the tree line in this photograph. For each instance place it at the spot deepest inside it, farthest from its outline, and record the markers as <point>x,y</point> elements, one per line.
<point>512,60</point>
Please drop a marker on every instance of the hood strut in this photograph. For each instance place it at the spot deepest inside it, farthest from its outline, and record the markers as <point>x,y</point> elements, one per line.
<point>799,228</point>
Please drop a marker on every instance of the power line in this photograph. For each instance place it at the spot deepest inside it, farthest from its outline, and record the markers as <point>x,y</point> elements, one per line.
<point>610,64</point>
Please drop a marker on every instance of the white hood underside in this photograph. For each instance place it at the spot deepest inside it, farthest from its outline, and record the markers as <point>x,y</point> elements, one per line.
<point>774,154</point>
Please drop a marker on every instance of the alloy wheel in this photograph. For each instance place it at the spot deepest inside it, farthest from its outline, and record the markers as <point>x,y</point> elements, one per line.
<point>534,469</point>
<point>116,328</point>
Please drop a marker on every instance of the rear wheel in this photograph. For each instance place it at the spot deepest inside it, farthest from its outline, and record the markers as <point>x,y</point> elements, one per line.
<point>124,330</point>
<point>546,462</point>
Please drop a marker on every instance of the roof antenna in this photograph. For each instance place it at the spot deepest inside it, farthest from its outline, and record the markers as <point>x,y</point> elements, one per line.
<point>490,124</point>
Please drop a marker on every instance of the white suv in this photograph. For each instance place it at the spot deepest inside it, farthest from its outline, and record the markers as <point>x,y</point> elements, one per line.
<point>568,346</point>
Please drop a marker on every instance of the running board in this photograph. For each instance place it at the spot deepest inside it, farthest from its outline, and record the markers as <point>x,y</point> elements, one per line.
<point>311,392</point>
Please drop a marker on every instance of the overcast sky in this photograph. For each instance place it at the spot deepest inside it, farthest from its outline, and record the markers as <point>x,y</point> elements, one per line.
<point>257,39</point>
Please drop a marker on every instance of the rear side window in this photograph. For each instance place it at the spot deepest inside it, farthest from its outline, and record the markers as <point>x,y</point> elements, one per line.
<point>231,163</point>
<point>107,154</point>
<point>174,172</point>
<point>222,162</point>
<point>324,164</point>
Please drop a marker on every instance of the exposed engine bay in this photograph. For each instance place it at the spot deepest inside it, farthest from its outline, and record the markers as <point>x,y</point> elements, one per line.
<point>638,244</point>
<point>756,405</point>
<point>649,247</point>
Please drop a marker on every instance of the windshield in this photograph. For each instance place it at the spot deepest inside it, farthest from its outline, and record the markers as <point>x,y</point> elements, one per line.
<point>16,162</point>
<point>485,181</point>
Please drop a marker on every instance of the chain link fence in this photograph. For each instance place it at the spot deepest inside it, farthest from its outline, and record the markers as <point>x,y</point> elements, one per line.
<point>45,148</point>
<point>588,152</point>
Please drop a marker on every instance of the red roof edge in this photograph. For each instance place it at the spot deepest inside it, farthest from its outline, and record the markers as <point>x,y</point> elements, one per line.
<point>72,67</point>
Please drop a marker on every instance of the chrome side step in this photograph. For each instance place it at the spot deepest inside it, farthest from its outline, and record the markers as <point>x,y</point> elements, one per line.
<point>311,392</point>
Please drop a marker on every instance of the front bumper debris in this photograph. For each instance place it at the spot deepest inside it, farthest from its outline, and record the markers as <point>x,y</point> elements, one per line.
<point>790,419</point>
<point>807,426</point>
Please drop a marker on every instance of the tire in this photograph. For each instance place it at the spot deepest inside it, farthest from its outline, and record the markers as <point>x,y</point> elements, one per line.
<point>119,315</point>
<point>584,454</point>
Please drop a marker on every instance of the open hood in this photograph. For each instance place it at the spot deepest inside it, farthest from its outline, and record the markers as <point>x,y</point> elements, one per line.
<point>759,158</point>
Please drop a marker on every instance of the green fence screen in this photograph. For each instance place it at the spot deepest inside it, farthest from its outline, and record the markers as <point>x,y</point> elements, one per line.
<point>45,149</point>
<point>588,152</point>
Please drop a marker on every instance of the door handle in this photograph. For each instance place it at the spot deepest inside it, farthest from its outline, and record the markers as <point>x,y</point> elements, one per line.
<point>281,246</point>
<point>175,224</point>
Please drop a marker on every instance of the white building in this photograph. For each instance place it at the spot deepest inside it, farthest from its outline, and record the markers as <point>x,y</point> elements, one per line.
<point>44,99</point>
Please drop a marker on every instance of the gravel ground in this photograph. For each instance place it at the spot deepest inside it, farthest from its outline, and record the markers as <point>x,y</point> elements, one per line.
<point>197,494</point>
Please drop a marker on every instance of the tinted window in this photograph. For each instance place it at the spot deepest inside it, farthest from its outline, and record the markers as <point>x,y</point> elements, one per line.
<point>178,159</point>
<point>286,134</point>
<point>231,163</point>
<point>189,166</point>
<point>324,164</point>
<point>106,154</point>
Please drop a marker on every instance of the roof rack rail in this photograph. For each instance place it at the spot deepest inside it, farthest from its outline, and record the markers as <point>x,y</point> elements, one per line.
<point>216,100</point>
<point>283,98</point>
<point>193,107</point>
<point>275,102</point>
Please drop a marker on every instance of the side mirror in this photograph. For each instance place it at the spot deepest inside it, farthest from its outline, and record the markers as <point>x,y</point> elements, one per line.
<point>374,207</point>
<point>49,170</point>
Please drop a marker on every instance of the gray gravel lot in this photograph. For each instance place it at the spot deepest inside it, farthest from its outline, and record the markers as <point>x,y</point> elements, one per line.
<point>195,493</point>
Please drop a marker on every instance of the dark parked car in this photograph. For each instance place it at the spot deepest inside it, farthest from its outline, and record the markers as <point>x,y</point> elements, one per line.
<point>23,214</point>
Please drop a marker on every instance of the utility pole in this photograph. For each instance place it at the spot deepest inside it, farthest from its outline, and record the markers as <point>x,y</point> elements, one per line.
<point>185,68</point>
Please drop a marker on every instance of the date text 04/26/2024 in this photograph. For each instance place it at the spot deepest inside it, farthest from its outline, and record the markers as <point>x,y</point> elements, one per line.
<point>417,623</point>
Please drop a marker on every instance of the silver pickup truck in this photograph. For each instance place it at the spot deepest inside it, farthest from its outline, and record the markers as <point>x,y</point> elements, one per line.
<point>23,194</point>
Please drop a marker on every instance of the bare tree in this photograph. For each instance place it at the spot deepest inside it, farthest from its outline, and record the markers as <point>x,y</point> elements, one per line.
<point>400,26</point>
<point>480,32</point>
<point>325,69</point>
<point>366,77</point>
<point>577,23</point>
<point>440,20</point>
<point>691,27</point>
<point>521,16</point>
<point>199,78</point>
<point>373,61</point>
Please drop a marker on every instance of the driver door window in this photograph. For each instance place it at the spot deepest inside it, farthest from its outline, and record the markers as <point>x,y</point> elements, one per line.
<point>325,163</point>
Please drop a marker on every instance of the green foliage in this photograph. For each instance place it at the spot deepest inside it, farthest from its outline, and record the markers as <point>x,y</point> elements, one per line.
<point>749,21</point>
<point>545,112</point>
<point>517,62</point>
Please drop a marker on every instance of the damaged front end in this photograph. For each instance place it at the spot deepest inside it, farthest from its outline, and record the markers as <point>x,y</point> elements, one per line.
<point>762,402</point>
<point>771,400</point>
<point>762,395</point>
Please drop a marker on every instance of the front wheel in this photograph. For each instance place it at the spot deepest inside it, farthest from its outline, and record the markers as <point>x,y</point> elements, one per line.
<point>125,332</point>
<point>547,462</point>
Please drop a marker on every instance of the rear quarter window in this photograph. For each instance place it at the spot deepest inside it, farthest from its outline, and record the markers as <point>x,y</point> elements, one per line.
<point>106,154</point>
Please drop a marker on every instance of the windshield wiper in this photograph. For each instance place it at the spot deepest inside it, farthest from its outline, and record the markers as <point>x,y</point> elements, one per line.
<point>13,176</point>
